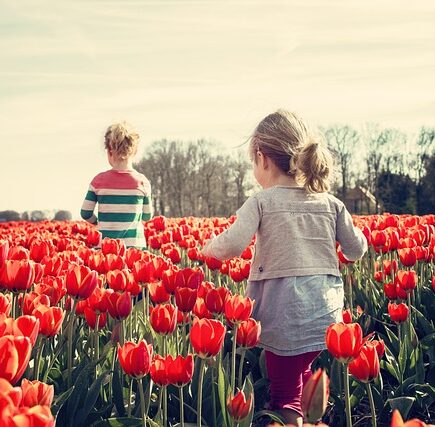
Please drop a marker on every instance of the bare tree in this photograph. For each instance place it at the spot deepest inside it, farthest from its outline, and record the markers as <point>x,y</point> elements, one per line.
<point>342,140</point>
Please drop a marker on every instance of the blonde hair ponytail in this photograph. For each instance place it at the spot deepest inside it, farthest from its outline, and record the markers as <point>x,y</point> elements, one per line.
<point>314,165</point>
<point>286,140</point>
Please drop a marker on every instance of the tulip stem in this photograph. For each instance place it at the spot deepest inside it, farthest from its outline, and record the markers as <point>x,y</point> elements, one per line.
<point>70,337</point>
<point>176,341</point>
<point>233,361</point>
<point>13,305</point>
<point>242,359</point>
<point>213,396</point>
<point>200,380</point>
<point>142,402</point>
<point>53,359</point>
<point>121,333</point>
<point>372,404</point>
<point>41,343</point>
<point>410,314</point>
<point>347,396</point>
<point>130,391</point>
<point>184,350</point>
<point>96,339</point>
<point>165,406</point>
<point>181,406</point>
<point>144,309</point>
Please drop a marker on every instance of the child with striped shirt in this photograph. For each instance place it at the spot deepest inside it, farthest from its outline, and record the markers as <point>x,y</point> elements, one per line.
<point>123,194</point>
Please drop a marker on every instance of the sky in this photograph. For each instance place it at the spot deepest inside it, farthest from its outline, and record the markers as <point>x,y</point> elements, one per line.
<point>195,69</point>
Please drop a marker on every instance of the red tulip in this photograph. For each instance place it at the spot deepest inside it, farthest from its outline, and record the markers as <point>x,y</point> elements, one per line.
<point>40,249</point>
<point>379,346</point>
<point>200,310</point>
<point>135,359</point>
<point>194,254</point>
<point>215,299</point>
<point>98,300</point>
<point>14,357</point>
<point>390,266</point>
<point>17,275</point>
<point>5,304</point>
<point>379,238</point>
<point>365,366</point>
<point>390,290</point>
<point>315,396</point>
<point>433,282</point>
<point>31,300</point>
<point>38,416</point>
<point>238,308</point>
<point>344,341</point>
<point>397,421</point>
<point>91,318</point>
<point>163,318</point>
<point>158,293</point>
<point>53,266</point>
<point>4,250</point>
<point>173,254</point>
<point>169,280</point>
<point>159,369</point>
<point>347,316</point>
<point>398,312</point>
<point>12,394</point>
<point>96,261</point>
<point>238,406</point>
<point>81,281</point>
<point>23,326</point>
<point>113,262</point>
<point>119,304</point>
<point>113,246</point>
<point>185,298</point>
<point>189,277</point>
<point>407,256</point>
<point>248,333</point>
<point>207,337</point>
<point>50,319</point>
<point>36,393</point>
<point>406,279</point>
<point>93,238</point>
<point>117,279</point>
<point>18,253</point>
<point>239,271</point>
<point>180,370</point>
<point>131,256</point>
<point>143,271</point>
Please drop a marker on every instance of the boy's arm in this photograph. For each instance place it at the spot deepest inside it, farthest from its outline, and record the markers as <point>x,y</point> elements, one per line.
<point>147,210</point>
<point>352,240</point>
<point>87,211</point>
<point>233,241</point>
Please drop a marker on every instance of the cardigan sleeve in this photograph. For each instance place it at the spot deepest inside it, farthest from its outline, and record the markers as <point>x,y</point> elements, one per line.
<point>233,241</point>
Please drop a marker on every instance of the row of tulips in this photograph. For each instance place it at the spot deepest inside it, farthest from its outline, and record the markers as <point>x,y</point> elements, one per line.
<point>164,336</point>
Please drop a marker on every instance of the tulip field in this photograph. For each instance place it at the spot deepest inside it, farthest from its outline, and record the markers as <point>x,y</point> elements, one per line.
<point>96,334</point>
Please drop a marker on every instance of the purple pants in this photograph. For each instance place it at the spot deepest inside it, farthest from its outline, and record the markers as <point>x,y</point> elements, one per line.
<point>287,376</point>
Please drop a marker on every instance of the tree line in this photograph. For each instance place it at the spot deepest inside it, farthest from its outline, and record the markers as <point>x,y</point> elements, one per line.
<point>200,178</point>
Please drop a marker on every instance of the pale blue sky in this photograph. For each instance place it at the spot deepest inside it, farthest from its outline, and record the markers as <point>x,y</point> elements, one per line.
<point>191,69</point>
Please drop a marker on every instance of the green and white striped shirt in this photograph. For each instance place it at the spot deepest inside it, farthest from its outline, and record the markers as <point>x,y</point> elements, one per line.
<point>124,201</point>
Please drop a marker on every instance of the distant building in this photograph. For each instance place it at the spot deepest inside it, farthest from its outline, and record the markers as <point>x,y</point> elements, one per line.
<point>360,201</point>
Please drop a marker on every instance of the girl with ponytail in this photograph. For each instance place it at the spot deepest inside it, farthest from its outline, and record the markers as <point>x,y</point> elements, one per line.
<point>294,279</point>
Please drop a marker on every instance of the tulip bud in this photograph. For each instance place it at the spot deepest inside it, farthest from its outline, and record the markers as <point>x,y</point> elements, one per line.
<point>238,406</point>
<point>315,396</point>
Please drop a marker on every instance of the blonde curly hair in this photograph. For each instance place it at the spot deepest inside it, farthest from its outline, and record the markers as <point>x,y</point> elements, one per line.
<point>121,140</point>
<point>286,140</point>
